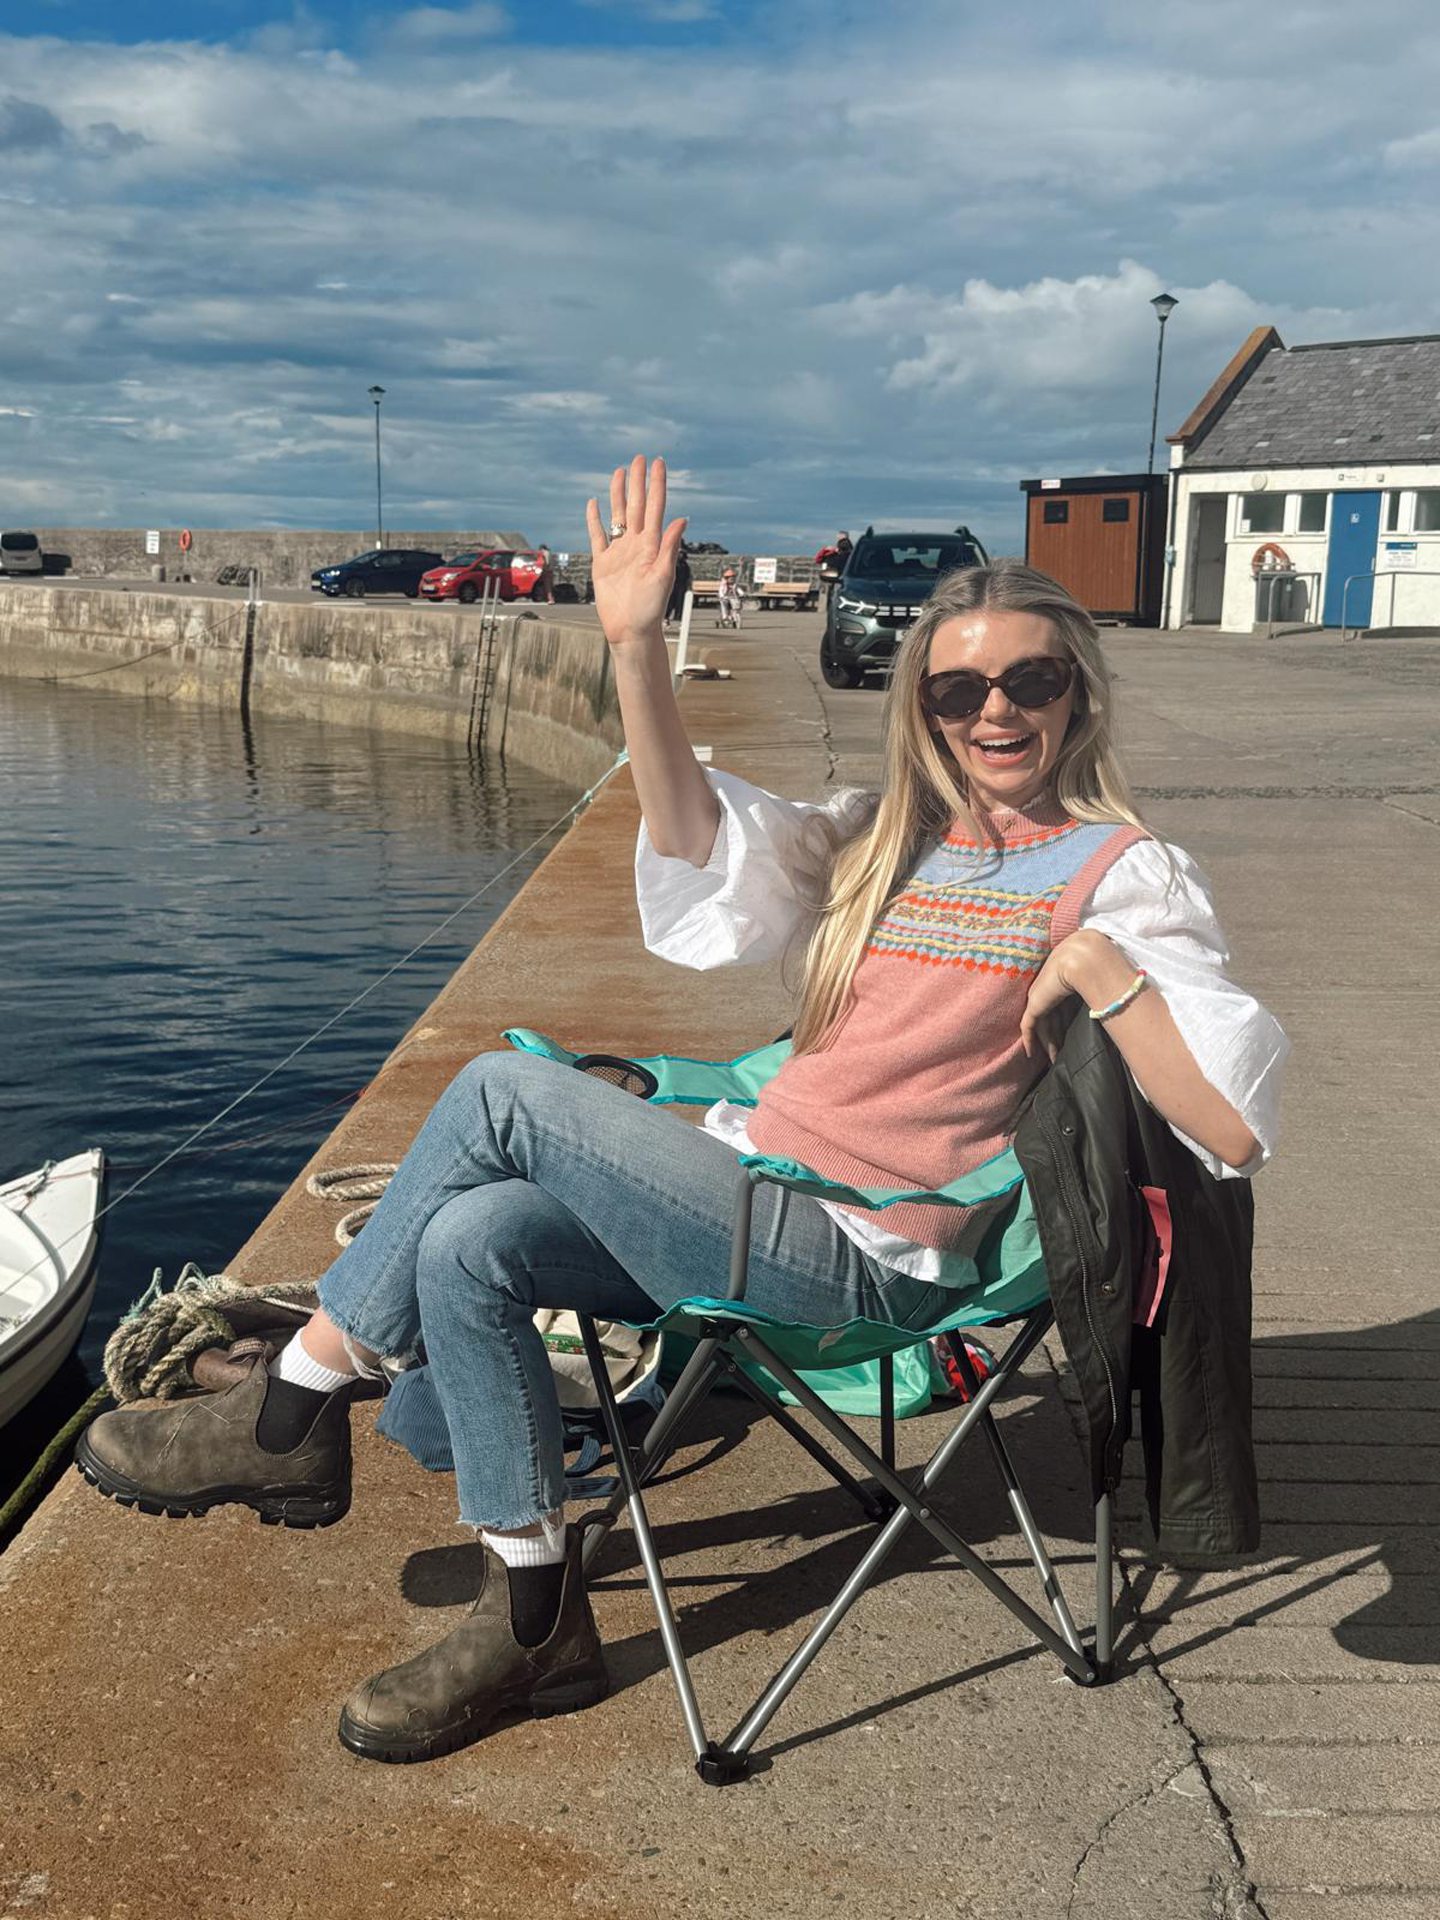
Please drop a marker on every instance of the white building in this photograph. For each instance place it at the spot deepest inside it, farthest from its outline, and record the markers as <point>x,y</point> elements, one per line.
<point>1321,463</point>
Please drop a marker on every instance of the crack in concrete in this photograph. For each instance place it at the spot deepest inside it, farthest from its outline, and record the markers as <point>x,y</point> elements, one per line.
<point>827,738</point>
<point>1240,1896</point>
<point>1126,1806</point>
<point>1243,1883</point>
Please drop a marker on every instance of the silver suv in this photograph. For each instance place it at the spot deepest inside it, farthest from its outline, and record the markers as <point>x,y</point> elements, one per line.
<point>20,553</point>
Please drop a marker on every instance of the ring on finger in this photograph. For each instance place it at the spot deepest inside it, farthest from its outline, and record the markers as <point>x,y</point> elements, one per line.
<point>617,527</point>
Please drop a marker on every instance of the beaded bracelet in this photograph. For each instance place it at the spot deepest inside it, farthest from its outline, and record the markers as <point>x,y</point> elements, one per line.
<point>1133,992</point>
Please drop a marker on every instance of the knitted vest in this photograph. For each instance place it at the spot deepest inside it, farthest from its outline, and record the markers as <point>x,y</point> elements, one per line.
<point>922,1076</point>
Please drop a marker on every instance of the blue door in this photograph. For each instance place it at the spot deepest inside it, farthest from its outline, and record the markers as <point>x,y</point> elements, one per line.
<point>1354,536</point>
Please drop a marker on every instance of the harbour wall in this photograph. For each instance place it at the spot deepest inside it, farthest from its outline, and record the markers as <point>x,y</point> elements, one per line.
<point>538,691</point>
<point>282,556</point>
<point>286,557</point>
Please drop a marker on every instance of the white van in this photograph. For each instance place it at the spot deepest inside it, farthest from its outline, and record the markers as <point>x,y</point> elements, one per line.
<point>20,553</point>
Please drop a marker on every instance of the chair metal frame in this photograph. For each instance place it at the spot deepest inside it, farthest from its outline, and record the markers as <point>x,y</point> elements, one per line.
<point>893,1503</point>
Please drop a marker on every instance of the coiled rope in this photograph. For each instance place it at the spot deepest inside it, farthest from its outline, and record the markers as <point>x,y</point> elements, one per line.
<point>149,1355</point>
<point>365,1182</point>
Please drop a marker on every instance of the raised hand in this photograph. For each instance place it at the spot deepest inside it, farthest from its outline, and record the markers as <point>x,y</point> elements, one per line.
<point>633,571</point>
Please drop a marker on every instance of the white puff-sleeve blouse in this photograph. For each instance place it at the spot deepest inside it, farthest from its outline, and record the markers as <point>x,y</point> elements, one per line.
<point>757,895</point>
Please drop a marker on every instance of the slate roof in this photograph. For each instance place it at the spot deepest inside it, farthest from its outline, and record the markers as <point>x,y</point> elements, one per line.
<point>1344,402</point>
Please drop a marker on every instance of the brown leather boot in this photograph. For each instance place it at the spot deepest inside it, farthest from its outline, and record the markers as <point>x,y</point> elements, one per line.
<point>478,1674</point>
<point>186,1456</point>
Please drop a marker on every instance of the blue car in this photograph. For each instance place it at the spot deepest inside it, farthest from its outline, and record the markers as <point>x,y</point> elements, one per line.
<point>380,570</point>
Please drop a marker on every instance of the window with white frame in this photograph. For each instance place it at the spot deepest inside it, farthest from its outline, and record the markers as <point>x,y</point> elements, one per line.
<point>1427,510</point>
<point>1262,513</point>
<point>1312,513</point>
<point>1392,512</point>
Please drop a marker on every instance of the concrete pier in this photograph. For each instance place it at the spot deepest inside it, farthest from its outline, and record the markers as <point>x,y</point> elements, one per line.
<point>168,1744</point>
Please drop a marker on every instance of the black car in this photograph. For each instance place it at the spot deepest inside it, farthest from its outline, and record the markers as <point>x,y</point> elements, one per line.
<point>888,577</point>
<point>381,570</point>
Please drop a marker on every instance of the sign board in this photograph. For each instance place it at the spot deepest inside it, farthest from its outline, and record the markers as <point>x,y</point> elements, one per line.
<point>562,559</point>
<point>152,540</point>
<point>1398,555</point>
<point>765,572</point>
<point>1048,486</point>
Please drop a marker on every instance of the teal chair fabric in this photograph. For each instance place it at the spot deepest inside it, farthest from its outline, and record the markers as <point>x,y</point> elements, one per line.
<point>842,1364</point>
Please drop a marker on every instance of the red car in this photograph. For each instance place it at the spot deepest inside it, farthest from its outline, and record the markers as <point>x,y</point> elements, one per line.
<point>467,576</point>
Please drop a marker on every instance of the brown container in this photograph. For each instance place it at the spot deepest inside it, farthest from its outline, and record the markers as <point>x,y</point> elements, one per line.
<point>1103,539</point>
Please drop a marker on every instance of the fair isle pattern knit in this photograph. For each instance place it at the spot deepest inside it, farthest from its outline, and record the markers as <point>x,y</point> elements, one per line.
<point>924,1074</point>
<point>948,916</point>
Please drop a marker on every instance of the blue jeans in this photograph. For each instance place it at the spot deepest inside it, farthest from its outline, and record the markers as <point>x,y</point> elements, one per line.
<point>531,1185</point>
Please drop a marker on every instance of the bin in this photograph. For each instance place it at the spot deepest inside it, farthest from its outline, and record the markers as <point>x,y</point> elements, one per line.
<point>1279,598</point>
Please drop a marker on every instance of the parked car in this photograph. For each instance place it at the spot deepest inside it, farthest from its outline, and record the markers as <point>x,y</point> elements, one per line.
<point>380,570</point>
<point>888,577</point>
<point>20,553</point>
<point>468,576</point>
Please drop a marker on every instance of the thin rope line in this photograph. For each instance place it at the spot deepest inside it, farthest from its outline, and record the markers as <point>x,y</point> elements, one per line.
<point>334,1019</point>
<point>113,666</point>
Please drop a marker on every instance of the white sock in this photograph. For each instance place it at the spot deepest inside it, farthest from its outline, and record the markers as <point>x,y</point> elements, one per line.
<point>294,1364</point>
<point>543,1549</point>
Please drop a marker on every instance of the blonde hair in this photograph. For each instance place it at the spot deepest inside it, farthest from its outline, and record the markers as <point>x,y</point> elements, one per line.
<point>925,788</point>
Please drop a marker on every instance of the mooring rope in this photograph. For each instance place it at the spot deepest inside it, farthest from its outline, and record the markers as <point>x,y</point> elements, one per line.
<point>365,1182</point>
<point>134,660</point>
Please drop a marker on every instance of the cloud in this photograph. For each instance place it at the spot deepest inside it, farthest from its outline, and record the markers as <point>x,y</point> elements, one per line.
<point>878,273</point>
<point>670,13</point>
<point>478,22</point>
<point>26,126</point>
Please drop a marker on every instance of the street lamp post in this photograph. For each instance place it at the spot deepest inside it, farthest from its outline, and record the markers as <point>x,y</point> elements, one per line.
<point>377,394</point>
<point>1164,305</point>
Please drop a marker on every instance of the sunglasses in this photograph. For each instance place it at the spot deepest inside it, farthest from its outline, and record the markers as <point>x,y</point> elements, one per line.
<point>956,695</point>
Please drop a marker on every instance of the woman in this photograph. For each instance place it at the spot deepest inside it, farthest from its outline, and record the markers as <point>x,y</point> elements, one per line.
<point>1001,873</point>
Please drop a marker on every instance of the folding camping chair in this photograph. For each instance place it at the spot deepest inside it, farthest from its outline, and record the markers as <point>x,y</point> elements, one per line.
<point>737,1343</point>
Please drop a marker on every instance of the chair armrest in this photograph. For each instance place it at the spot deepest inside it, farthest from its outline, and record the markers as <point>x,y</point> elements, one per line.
<point>998,1176</point>
<point>680,1081</point>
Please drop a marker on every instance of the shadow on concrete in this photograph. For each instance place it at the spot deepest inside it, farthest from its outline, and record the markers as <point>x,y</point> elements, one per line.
<point>1350,1484</point>
<point>766,1568</point>
<point>1339,1416</point>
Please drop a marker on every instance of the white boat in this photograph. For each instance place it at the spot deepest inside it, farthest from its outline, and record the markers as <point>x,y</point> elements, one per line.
<point>49,1243</point>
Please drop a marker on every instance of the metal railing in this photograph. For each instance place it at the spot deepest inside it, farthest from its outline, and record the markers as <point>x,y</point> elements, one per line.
<point>1392,574</point>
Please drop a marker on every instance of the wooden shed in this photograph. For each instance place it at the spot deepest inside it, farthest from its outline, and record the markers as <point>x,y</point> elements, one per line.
<point>1103,538</point>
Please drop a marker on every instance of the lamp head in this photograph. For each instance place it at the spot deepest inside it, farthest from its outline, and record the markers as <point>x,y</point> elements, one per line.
<point>377,394</point>
<point>1164,305</point>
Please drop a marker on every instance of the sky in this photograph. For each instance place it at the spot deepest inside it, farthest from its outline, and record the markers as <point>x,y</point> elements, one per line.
<point>840,264</point>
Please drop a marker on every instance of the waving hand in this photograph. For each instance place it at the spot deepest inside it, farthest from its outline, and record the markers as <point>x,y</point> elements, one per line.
<point>633,570</point>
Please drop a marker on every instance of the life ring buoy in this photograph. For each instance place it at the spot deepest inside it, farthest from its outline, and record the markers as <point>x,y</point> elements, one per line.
<point>1283,562</point>
<point>187,539</point>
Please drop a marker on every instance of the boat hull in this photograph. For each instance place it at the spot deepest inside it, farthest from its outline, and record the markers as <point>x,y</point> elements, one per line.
<point>49,1249</point>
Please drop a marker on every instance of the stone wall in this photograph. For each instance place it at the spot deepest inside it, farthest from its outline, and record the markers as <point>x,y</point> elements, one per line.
<point>549,700</point>
<point>285,557</point>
